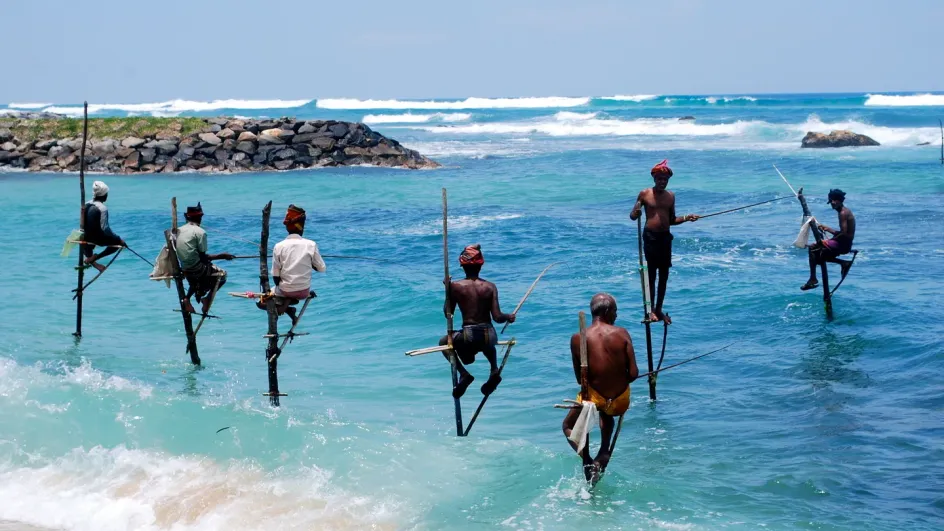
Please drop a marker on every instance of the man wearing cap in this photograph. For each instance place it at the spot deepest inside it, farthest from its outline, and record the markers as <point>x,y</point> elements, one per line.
<point>477,299</point>
<point>293,260</point>
<point>97,229</point>
<point>656,237</point>
<point>196,265</point>
<point>839,244</point>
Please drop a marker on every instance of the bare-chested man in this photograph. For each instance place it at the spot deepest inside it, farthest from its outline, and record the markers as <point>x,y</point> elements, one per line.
<point>477,298</point>
<point>657,240</point>
<point>611,367</point>
<point>839,244</point>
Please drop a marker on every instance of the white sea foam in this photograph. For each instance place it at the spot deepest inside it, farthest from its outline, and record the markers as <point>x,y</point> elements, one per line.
<point>468,103</point>
<point>28,105</point>
<point>728,99</point>
<point>410,118</point>
<point>580,124</point>
<point>893,136</point>
<point>106,489</point>
<point>914,100</point>
<point>176,106</point>
<point>635,97</point>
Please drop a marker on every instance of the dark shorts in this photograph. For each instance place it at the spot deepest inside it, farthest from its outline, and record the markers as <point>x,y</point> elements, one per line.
<point>833,248</point>
<point>658,248</point>
<point>202,279</point>
<point>473,339</point>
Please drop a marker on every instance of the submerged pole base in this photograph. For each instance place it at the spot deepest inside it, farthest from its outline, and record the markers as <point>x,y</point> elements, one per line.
<point>274,394</point>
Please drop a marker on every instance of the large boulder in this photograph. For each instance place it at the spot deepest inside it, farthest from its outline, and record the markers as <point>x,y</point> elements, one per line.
<point>836,139</point>
<point>133,142</point>
<point>210,138</point>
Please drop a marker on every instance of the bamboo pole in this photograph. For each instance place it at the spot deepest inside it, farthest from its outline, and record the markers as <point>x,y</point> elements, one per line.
<point>501,368</point>
<point>78,299</point>
<point>272,350</point>
<point>818,234</point>
<point>170,236</point>
<point>646,307</point>
<point>447,281</point>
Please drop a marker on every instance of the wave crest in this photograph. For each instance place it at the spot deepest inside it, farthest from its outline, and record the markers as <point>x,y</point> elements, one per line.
<point>174,107</point>
<point>410,118</point>
<point>468,103</point>
<point>913,100</point>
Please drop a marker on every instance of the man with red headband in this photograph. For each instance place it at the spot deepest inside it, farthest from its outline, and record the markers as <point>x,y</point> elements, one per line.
<point>477,298</point>
<point>656,237</point>
<point>197,266</point>
<point>293,260</point>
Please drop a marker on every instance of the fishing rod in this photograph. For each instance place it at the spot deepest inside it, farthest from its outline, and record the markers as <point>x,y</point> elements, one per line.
<point>686,361</point>
<point>743,207</point>
<point>786,181</point>
<point>942,140</point>
<point>343,257</point>
<point>527,294</point>
<point>148,262</point>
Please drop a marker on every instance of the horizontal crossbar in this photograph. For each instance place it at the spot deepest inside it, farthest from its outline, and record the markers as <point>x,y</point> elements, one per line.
<point>442,348</point>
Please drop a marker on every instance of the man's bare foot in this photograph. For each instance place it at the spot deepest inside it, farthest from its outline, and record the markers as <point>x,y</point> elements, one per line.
<point>593,476</point>
<point>662,316</point>
<point>489,386</point>
<point>292,314</point>
<point>189,307</point>
<point>464,382</point>
<point>652,318</point>
<point>810,284</point>
<point>90,262</point>
<point>844,267</point>
<point>206,305</point>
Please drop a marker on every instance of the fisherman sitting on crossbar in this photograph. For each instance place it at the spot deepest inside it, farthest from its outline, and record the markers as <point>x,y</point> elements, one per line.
<point>97,229</point>
<point>293,260</point>
<point>610,368</point>
<point>839,244</point>
<point>477,298</point>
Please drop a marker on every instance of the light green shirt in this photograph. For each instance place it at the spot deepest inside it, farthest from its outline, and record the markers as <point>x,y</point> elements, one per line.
<point>191,241</point>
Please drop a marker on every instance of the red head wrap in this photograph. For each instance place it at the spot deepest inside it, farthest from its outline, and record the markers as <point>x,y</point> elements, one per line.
<point>472,255</point>
<point>294,217</point>
<point>661,168</point>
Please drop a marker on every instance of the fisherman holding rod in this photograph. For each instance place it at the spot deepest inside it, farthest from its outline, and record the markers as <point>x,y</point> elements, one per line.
<point>293,260</point>
<point>477,299</point>
<point>97,229</point>
<point>657,239</point>
<point>204,277</point>
<point>610,368</point>
<point>841,242</point>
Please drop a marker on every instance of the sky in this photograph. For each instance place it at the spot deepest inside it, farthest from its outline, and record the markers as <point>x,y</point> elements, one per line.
<point>126,51</point>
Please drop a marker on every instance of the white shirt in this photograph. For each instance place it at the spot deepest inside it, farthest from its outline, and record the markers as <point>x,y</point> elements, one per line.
<point>293,259</point>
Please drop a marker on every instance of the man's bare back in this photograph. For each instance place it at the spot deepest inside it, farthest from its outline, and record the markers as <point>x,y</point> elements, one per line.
<point>611,359</point>
<point>477,300</point>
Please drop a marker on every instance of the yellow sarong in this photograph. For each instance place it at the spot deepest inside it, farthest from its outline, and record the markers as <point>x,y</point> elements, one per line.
<point>610,406</point>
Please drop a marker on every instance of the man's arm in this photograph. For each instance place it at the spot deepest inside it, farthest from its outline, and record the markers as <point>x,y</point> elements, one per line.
<point>679,220</point>
<point>110,237</point>
<point>631,358</point>
<point>637,208</point>
<point>317,262</point>
<point>575,355</point>
<point>497,314</point>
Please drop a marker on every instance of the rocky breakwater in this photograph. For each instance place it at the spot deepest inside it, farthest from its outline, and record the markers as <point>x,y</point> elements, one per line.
<point>836,139</point>
<point>163,145</point>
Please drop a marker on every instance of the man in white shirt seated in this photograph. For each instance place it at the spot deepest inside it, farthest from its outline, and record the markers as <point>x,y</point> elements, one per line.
<point>293,259</point>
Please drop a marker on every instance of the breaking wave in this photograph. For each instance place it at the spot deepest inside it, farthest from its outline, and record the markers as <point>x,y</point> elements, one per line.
<point>636,97</point>
<point>410,118</point>
<point>590,124</point>
<point>174,107</point>
<point>914,100</point>
<point>468,103</point>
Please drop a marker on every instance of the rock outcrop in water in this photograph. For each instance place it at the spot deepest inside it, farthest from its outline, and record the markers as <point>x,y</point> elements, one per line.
<point>164,145</point>
<point>837,139</point>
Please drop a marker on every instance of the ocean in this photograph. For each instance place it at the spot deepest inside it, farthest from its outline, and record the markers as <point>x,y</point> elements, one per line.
<point>802,424</point>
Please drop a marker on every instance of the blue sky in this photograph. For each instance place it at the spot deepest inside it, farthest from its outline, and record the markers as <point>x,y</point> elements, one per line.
<point>110,51</point>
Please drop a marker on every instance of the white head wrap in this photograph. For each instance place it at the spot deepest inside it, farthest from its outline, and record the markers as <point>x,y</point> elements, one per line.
<point>99,189</point>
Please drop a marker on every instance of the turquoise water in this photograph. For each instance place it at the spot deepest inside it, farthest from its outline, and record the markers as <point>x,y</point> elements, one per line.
<point>803,424</point>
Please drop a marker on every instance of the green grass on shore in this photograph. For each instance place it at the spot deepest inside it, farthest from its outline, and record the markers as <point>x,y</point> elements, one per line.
<point>117,128</point>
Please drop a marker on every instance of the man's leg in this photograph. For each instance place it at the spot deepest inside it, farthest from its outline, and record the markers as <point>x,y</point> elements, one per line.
<point>814,261</point>
<point>653,271</point>
<point>663,283</point>
<point>568,427</point>
<point>491,354</point>
<point>606,432</point>
<point>844,265</point>
<point>92,259</point>
<point>214,289</point>
<point>465,379</point>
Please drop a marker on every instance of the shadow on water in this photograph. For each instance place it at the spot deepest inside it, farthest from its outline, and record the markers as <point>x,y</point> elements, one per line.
<point>829,360</point>
<point>189,381</point>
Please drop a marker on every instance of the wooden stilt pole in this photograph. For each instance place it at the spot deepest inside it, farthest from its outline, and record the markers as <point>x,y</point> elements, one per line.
<point>646,308</point>
<point>272,350</point>
<point>447,280</point>
<point>818,234</point>
<point>78,299</point>
<point>170,236</point>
